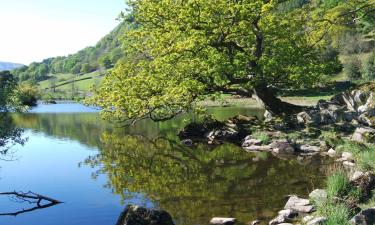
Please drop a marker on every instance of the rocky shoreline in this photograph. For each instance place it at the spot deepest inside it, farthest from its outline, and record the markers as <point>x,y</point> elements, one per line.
<point>327,130</point>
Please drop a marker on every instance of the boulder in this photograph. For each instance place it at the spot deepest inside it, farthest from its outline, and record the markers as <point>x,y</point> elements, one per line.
<point>309,148</point>
<point>187,142</point>
<point>347,156</point>
<point>365,182</point>
<point>223,221</point>
<point>255,222</point>
<point>318,195</point>
<point>250,141</point>
<point>364,134</point>
<point>282,147</point>
<point>331,152</point>
<point>278,220</point>
<point>299,205</point>
<point>348,164</point>
<point>357,175</point>
<point>137,215</point>
<point>365,217</point>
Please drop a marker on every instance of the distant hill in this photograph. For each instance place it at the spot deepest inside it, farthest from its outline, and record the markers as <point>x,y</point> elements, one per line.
<point>9,66</point>
<point>101,56</point>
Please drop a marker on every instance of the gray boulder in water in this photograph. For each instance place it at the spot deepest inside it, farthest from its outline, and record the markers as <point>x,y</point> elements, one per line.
<point>136,215</point>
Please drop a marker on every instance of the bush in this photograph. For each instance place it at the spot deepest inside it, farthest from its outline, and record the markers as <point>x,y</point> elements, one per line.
<point>368,68</point>
<point>26,94</point>
<point>352,69</point>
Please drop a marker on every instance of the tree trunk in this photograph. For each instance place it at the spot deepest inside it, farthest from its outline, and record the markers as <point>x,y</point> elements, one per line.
<point>273,105</point>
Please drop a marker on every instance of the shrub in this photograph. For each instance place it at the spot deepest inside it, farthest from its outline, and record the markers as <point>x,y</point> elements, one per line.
<point>368,68</point>
<point>352,69</point>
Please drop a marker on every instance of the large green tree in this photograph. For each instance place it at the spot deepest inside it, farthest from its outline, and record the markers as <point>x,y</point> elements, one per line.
<point>185,49</point>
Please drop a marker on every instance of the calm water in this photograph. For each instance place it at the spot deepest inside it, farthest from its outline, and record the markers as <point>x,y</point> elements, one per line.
<point>96,168</point>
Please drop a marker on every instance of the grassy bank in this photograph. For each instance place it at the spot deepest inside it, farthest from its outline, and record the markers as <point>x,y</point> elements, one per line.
<point>346,196</point>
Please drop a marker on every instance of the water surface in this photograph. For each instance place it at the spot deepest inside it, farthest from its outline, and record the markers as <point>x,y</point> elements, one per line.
<point>96,168</point>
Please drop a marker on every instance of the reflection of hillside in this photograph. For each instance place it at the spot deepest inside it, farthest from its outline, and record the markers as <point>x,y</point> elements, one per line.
<point>194,184</point>
<point>88,127</point>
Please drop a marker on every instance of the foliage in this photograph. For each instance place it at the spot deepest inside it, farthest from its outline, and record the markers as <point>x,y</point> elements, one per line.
<point>352,69</point>
<point>26,94</point>
<point>184,49</point>
<point>7,86</point>
<point>368,68</point>
<point>9,135</point>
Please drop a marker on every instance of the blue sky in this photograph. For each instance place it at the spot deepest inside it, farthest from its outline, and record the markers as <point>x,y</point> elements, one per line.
<point>32,30</point>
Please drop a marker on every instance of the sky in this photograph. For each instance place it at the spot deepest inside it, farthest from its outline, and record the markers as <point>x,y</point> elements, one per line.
<point>33,30</point>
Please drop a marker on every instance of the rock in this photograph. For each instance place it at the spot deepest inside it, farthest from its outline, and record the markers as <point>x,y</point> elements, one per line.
<point>307,219</point>
<point>223,221</point>
<point>357,175</point>
<point>282,147</point>
<point>288,213</point>
<point>309,148</point>
<point>278,220</point>
<point>331,152</point>
<point>299,204</point>
<point>187,142</point>
<point>136,215</point>
<point>366,183</point>
<point>260,148</point>
<point>317,221</point>
<point>249,141</point>
<point>348,164</point>
<point>347,156</point>
<point>364,134</point>
<point>255,222</point>
<point>318,195</point>
<point>365,217</point>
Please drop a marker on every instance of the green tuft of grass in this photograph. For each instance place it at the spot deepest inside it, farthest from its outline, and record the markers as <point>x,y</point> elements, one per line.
<point>366,158</point>
<point>263,136</point>
<point>338,184</point>
<point>331,138</point>
<point>337,214</point>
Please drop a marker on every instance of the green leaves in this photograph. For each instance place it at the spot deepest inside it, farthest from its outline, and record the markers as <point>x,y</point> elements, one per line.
<point>184,49</point>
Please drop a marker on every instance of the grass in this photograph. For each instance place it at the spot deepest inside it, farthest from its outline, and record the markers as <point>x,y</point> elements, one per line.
<point>262,136</point>
<point>337,214</point>
<point>338,184</point>
<point>366,159</point>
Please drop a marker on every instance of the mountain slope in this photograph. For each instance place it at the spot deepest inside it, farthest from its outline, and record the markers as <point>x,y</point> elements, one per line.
<point>9,66</point>
<point>103,55</point>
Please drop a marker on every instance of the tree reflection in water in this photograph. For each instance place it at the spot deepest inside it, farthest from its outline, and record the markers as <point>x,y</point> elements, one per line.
<point>10,135</point>
<point>195,184</point>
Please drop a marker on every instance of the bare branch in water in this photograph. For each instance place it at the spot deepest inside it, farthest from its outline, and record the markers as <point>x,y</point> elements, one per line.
<point>31,198</point>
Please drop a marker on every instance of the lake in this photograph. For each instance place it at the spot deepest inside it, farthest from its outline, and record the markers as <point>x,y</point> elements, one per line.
<point>97,168</point>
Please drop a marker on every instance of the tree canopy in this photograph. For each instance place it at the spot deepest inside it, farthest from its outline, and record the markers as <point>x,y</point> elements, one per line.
<point>183,50</point>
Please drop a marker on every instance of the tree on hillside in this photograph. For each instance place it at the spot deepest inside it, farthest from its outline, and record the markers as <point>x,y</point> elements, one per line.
<point>7,86</point>
<point>183,50</point>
